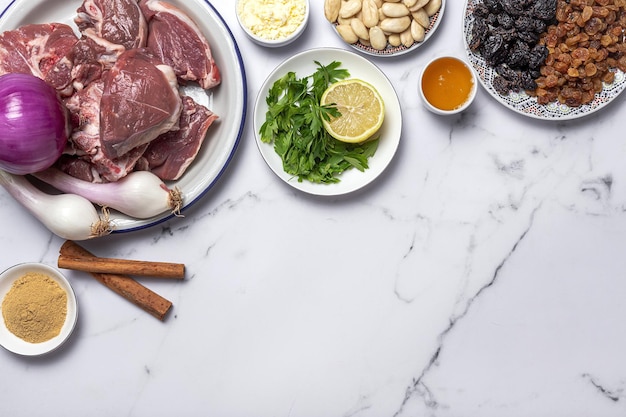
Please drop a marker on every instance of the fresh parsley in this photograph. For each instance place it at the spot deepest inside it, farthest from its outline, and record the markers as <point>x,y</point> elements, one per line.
<point>293,123</point>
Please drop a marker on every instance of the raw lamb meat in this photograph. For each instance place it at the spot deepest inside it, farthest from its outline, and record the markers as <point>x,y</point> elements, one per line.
<point>119,22</point>
<point>176,39</point>
<point>169,155</point>
<point>140,101</point>
<point>41,50</point>
<point>126,109</point>
<point>78,168</point>
<point>84,108</point>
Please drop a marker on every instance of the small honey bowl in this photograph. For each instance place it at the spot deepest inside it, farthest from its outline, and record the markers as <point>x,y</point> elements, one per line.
<point>447,85</point>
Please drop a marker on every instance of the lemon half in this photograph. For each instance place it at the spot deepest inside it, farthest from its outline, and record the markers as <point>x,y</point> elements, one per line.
<point>362,110</point>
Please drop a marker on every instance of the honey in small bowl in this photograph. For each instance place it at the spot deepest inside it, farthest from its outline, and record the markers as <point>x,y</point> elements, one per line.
<point>447,85</point>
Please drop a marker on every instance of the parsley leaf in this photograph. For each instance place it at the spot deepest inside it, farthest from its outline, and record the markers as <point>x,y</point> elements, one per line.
<point>293,123</point>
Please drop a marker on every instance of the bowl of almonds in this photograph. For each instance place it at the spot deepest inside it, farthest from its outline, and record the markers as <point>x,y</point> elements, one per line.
<point>384,27</point>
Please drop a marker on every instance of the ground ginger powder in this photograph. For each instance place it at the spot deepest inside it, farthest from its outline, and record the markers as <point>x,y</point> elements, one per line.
<point>35,308</point>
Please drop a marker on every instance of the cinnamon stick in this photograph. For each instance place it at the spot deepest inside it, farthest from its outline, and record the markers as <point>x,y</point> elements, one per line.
<point>123,285</point>
<point>90,263</point>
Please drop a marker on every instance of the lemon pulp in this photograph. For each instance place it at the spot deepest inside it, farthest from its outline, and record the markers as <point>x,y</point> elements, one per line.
<point>361,107</point>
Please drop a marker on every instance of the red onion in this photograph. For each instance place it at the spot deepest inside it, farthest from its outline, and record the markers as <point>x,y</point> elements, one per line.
<point>34,124</point>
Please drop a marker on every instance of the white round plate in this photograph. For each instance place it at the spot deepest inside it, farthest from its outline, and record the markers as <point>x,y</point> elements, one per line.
<point>523,103</point>
<point>303,65</point>
<point>17,345</point>
<point>390,51</point>
<point>228,100</point>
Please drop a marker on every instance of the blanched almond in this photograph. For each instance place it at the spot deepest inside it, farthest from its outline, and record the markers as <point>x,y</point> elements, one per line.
<point>395,24</point>
<point>346,33</point>
<point>344,20</point>
<point>418,5</point>
<point>394,39</point>
<point>421,17</point>
<point>359,29</point>
<point>409,3</point>
<point>331,10</point>
<point>395,9</point>
<point>432,7</point>
<point>378,40</point>
<point>406,38</point>
<point>369,13</point>
<point>417,31</point>
<point>349,8</point>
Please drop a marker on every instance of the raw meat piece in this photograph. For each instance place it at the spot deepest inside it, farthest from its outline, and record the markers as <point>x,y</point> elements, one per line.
<point>119,22</point>
<point>175,38</point>
<point>91,57</point>
<point>84,107</point>
<point>78,168</point>
<point>117,168</point>
<point>170,154</point>
<point>41,50</point>
<point>140,101</point>
<point>103,169</point>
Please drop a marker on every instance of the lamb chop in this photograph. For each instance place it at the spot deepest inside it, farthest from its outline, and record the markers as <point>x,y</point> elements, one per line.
<point>176,39</point>
<point>140,101</point>
<point>169,155</point>
<point>119,22</point>
<point>41,50</point>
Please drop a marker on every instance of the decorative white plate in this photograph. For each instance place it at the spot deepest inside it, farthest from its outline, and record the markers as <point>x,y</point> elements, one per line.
<point>400,50</point>
<point>525,104</point>
<point>228,100</point>
<point>13,343</point>
<point>303,65</point>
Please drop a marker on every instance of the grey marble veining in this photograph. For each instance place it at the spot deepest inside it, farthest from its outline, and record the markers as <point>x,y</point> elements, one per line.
<point>481,275</point>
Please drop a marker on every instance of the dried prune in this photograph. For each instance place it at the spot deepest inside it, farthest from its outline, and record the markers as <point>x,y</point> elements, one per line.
<point>506,35</point>
<point>494,50</point>
<point>544,9</point>
<point>493,5</point>
<point>512,7</point>
<point>537,56</point>
<point>479,31</point>
<point>527,81</point>
<point>481,10</point>
<point>505,21</point>
<point>507,73</point>
<point>519,55</point>
<point>501,85</point>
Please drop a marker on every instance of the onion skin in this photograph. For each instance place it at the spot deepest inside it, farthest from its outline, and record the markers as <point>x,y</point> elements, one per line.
<point>68,216</point>
<point>140,194</point>
<point>34,124</point>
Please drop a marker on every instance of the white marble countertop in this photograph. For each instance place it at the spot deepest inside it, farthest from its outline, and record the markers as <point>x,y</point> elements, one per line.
<point>481,275</point>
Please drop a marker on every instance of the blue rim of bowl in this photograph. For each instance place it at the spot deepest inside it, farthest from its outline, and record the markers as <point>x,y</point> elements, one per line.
<point>235,145</point>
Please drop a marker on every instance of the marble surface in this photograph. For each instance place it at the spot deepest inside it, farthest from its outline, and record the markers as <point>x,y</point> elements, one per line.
<point>481,275</point>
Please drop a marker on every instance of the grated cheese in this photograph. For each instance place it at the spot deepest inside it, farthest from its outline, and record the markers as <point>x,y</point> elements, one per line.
<point>272,19</point>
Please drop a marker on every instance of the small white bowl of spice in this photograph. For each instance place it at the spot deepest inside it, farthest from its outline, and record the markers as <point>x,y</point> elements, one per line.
<point>39,309</point>
<point>273,23</point>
